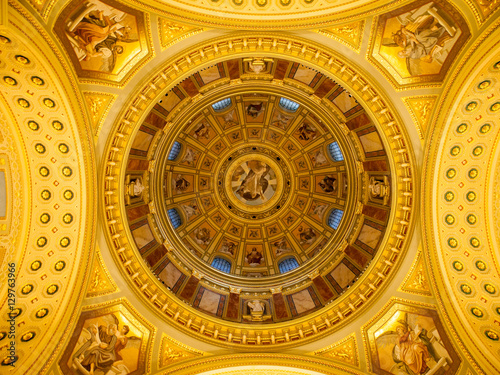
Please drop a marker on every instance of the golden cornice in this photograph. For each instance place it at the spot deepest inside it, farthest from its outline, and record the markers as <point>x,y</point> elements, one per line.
<point>295,49</point>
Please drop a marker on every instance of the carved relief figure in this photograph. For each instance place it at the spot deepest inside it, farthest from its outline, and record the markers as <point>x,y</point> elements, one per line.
<point>307,132</point>
<point>257,310</point>
<point>379,188</point>
<point>307,236</point>
<point>202,236</point>
<point>319,158</point>
<point>180,184</point>
<point>281,246</point>
<point>190,157</point>
<point>228,247</point>
<point>202,131</point>
<point>254,110</point>
<point>190,209</point>
<point>328,184</point>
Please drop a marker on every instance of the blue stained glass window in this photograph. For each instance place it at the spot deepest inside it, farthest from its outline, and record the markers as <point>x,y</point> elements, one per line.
<point>221,264</point>
<point>221,104</point>
<point>334,218</point>
<point>288,264</point>
<point>175,218</point>
<point>289,105</point>
<point>174,151</point>
<point>335,151</point>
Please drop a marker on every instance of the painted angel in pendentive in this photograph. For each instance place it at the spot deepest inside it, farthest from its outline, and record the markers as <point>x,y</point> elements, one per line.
<point>202,236</point>
<point>228,247</point>
<point>328,184</point>
<point>415,351</point>
<point>190,209</point>
<point>202,131</point>
<point>425,35</point>
<point>101,346</point>
<point>97,30</point>
<point>180,183</point>
<point>281,246</point>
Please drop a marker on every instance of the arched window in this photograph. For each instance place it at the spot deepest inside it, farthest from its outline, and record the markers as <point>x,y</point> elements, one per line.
<point>174,151</point>
<point>175,218</point>
<point>221,104</point>
<point>221,264</point>
<point>334,218</point>
<point>335,151</point>
<point>289,105</point>
<point>288,264</point>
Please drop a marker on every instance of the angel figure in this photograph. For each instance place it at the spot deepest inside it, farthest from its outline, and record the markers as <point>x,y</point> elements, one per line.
<point>180,183</point>
<point>229,119</point>
<point>319,210</point>
<point>202,131</point>
<point>190,209</point>
<point>306,132</point>
<point>190,156</point>
<point>318,158</point>
<point>281,247</point>
<point>254,110</point>
<point>281,120</point>
<point>307,236</point>
<point>202,236</point>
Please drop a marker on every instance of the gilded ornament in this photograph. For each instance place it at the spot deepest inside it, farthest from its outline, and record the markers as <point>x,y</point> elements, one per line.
<point>46,195</point>
<point>473,173</point>
<point>3,335</point>
<point>471,196</point>
<point>238,2</point>
<point>44,171</point>
<point>63,148</point>
<point>35,266</point>
<point>44,218</point>
<point>496,66</point>
<point>465,288</point>
<point>27,289</point>
<point>449,196</point>
<point>458,266</point>
<point>455,150</point>
<point>451,173</point>
<point>22,59</point>
<point>495,107</point>
<point>477,151</point>
<point>49,103</point>
<point>33,125</point>
<point>37,81</point>
<point>23,103</point>
<point>15,312</point>
<point>52,289</point>
<point>59,266</point>
<point>471,106</point>
<point>41,241</point>
<point>285,2</point>
<point>67,171</point>
<point>480,265</point>
<point>461,128</point>
<point>57,125</point>
<point>67,218</point>
<point>490,288</point>
<point>261,3</point>
<point>10,81</point>
<point>40,148</point>
<point>28,336</point>
<point>64,242</point>
<point>498,310</point>
<point>492,335</point>
<point>9,360</point>
<point>4,39</point>
<point>42,313</point>
<point>449,219</point>
<point>471,219</point>
<point>452,242</point>
<point>484,84</point>
<point>68,195</point>
<point>485,128</point>
<point>477,312</point>
<point>474,242</point>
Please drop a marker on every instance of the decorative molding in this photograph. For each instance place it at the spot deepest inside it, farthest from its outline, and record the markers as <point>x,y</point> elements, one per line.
<point>98,105</point>
<point>421,109</point>
<point>173,351</point>
<point>350,34</point>
<point>173,32</point>
<point>101,283</point>
<point>345,350</point>
<point>417,280</point>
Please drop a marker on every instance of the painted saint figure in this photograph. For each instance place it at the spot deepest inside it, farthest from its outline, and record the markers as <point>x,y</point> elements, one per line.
<point>255,183</point>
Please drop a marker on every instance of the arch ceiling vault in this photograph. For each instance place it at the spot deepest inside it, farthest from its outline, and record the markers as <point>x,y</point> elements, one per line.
<point>246,187</point>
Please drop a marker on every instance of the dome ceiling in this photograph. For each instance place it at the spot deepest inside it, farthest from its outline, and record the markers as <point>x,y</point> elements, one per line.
<point>260,202</point>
